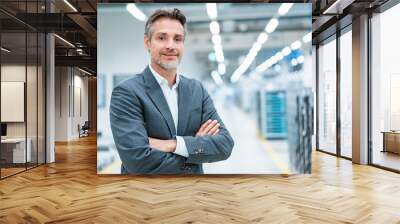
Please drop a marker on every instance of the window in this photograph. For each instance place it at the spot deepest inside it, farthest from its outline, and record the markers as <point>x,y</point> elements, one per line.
<point>385,87</point>
<point>327,97</point>
<point>346,94</point>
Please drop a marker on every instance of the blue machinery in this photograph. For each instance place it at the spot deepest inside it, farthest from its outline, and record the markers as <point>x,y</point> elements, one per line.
<point>287,114</point>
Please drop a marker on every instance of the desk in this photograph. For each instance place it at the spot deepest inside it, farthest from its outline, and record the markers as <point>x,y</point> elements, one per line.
<point>391,141</point>
<point>13,150</point>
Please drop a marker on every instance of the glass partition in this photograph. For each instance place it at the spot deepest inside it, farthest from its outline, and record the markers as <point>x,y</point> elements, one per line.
<point>327,96</point>
<point>13,109</point>
<point>346,94</point>
<point>22,88</point>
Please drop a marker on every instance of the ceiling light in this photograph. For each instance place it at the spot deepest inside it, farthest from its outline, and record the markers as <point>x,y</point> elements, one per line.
<point>295,45</point>
<point>65,41</point>
<point>264,66</point>
<point>217,48</point>
<point>221,68</point>
<point>84,71</point>
<point>273,60</point>
<point>216,77</point>
<point>216,39</point>
<point>279,56</point>
<point>214,27</point>
<point>334,8</point>
<point>220,58</point>
<point>71,6</point>
<point>271,26</point>
<point>286,51</point>
<point>256,47</point>
<point>5,50</point>
<point>262,38</point>
<point>285,7</point>
<point>307,38</point>
<point>219,54</point>
<point>212,10</point>
<point>135,12</point>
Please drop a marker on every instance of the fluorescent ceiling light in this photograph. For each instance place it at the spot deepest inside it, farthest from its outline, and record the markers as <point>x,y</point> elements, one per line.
<point>256,47</point>
<point>212,10</point>
<point>221,68</point>
<point>285,7</point>
<point>279,56</point>
<point>219,54</point>
<point>333,6</point>
<point>214,27</point>
<point>271,26</point>
<point>71,6</point>
<point>216,39</point>
<point>84,71</point>
<point>295,45</point>
<point>307,38</point>
<point>235,77</point>
<point>5,49</point>
<point>273,60</point>
<point>286,51</point>
<point>262,38</point>
<point>217,48</point>
<point>65,41</point>
<point>135,12</point>
<point>220,58</point>
<point>217,78</point>
<point>264,66</point>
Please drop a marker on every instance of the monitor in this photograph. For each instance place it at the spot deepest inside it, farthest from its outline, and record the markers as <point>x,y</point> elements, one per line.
<point>3,129</point>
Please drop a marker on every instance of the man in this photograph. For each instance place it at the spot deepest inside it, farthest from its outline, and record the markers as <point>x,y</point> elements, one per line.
<point>162,122</point>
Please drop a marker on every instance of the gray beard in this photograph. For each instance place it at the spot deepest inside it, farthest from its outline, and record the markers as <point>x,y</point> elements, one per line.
<point>168,65</point>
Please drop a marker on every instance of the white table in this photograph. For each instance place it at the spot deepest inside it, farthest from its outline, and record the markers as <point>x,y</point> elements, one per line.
<point>18,149</point>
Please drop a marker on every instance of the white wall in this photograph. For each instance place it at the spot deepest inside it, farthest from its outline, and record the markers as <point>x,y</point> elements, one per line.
<point>68,81</point>
<point>14,73</point>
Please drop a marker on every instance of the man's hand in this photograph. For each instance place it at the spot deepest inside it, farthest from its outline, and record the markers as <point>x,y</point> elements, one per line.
<point>163,145</point>
<point>210,127</point>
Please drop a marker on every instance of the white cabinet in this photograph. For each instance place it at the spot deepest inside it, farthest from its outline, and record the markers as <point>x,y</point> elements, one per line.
<point>17,145</point>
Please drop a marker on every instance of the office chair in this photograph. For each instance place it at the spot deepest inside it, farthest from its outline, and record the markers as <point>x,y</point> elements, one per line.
<point>84,130</point>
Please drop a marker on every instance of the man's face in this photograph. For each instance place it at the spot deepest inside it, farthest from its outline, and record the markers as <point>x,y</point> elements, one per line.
<point>166,43</point>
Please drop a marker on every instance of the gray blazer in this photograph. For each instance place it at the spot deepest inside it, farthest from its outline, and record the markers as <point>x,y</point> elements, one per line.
<point>138,110</point>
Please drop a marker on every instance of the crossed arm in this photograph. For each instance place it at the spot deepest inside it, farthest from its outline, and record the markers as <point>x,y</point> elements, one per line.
<point>210,127</point>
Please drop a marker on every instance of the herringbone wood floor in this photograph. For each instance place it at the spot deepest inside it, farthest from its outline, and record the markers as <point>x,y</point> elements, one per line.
<point>69,191</point>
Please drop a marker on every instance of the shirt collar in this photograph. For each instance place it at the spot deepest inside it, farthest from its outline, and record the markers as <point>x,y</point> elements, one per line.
<point>162,81</point>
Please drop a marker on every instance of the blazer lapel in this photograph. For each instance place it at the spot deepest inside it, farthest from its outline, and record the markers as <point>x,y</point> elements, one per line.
<point>157,97</point>
<point>184,97</point>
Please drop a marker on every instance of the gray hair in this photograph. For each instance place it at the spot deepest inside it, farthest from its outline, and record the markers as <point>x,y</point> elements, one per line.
<point>174,14</point>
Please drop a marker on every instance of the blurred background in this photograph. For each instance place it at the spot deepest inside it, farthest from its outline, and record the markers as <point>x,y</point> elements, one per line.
<point>255,61</point>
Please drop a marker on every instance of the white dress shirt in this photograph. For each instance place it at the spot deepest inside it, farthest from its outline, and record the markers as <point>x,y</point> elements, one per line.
<point>171,96</point>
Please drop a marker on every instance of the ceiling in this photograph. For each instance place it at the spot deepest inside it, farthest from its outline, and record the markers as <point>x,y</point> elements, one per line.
<point>241,23</point>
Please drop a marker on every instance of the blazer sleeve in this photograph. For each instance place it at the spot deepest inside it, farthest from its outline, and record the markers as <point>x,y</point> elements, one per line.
<point>131,139</point>
<point>207,149</point>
